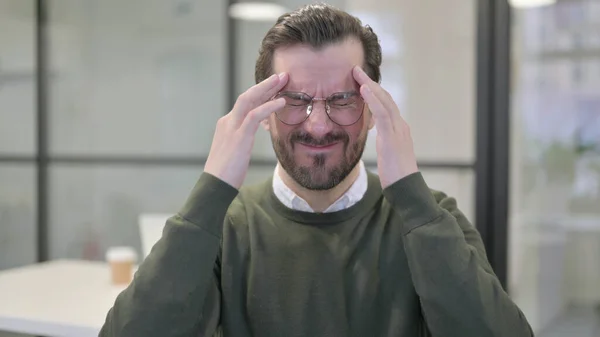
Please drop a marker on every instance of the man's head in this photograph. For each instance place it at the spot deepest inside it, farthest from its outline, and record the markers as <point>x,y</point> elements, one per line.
<point>318,46</point>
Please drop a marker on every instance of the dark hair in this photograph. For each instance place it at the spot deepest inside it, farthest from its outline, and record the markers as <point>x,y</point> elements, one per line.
<point>318,25</point>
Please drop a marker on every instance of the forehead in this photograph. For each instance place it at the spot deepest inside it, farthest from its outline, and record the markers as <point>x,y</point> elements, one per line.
<point>320,71</point>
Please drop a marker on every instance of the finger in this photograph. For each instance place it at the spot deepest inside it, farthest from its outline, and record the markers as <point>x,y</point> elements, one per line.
<point>270,92</point>
<point>361,76</point>
<point>260,93</point>
<point>394,110</point>
<point>386,99</point>
<point>257,115</point>
<point>383,122</point>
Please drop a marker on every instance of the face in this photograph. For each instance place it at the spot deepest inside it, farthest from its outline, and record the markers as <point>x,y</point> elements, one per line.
<point>318,153</point>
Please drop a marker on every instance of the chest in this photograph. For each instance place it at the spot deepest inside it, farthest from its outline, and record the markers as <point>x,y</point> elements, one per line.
<point>367,250</point>
<point>348,277</point>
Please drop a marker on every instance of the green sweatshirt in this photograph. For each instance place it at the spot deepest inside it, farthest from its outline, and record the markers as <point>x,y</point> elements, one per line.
<point>401,262</point>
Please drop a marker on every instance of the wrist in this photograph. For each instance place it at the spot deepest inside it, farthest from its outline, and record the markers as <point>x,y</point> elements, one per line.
<point>413,201</point>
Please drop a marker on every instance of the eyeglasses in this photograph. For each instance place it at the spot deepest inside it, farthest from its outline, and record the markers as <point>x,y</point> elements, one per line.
<point>343,108</point>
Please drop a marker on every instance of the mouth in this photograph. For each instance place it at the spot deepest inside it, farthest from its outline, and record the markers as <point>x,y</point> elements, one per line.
<point>318,147</point>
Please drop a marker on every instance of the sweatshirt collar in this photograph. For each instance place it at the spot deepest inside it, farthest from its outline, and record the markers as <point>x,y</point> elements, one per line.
<point>291,200</point>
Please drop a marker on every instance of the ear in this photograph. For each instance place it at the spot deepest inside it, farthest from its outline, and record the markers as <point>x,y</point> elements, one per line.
<point>371,119</point>
<point>266,124</point>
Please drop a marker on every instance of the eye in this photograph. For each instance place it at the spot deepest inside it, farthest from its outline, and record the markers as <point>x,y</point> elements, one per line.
<point>342,103</point>
<point>295,99</point>
<point>343,99</point>
<point>296,102</point>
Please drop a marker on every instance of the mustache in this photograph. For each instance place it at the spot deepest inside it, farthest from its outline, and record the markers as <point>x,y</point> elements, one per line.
<point>306,138</point>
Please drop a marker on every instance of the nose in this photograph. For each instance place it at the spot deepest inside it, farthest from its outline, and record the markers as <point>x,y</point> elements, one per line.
<point>318,123</point>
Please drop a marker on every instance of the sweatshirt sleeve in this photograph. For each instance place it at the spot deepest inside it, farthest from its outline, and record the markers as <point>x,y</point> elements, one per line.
<point>459,292</point>
<point>175,291</point>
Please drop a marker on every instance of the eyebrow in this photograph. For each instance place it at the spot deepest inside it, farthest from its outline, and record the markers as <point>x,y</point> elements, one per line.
<point>353,91</point>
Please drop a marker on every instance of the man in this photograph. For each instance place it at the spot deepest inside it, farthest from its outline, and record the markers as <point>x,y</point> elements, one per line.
<point>324,248</point>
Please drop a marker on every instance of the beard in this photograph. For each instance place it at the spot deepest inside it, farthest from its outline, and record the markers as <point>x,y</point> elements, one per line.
<point>321,174</point>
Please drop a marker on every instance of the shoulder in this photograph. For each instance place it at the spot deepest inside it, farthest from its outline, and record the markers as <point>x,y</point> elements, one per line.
<point>444,200</point>
<point>248,199</point>
<point>448,203</point>
<point>244,212</point>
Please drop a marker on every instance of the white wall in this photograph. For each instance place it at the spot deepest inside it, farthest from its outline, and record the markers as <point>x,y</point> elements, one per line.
<point>555,189</point>
<point>148,78</point>
<point>142,77</point>
<point>429,68</point>
<point>17,75</point>
<point>17,137</point>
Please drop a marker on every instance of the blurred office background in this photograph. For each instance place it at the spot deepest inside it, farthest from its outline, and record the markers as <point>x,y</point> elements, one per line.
<point>107,111</point>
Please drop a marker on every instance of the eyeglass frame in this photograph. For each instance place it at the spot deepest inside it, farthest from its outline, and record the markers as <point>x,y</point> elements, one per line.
<point>309,106</point>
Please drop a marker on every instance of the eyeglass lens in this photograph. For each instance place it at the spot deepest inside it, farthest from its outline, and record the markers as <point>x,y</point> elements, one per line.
<point>343,108</point>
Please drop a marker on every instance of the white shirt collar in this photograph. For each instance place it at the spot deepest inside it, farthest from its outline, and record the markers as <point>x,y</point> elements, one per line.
<point>291,200</point>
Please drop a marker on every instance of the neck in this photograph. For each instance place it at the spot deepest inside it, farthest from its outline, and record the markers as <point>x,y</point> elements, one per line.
<point>320,200</point>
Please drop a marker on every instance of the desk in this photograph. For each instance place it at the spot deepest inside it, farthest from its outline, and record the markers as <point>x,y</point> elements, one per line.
<point>62,298</point>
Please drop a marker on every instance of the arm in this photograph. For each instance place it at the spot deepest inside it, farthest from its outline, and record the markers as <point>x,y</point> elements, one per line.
<point>175,291</point>
<point>459,292</point>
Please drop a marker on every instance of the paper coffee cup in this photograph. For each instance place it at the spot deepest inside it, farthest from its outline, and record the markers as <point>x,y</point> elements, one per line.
<point>122,261</point>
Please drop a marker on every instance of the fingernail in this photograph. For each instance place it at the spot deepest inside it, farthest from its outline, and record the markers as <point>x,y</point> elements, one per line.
<point>281,75</point>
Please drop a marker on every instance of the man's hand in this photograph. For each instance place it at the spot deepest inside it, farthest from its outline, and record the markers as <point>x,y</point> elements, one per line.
<point>395,153</point>
<point>231,148</point>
